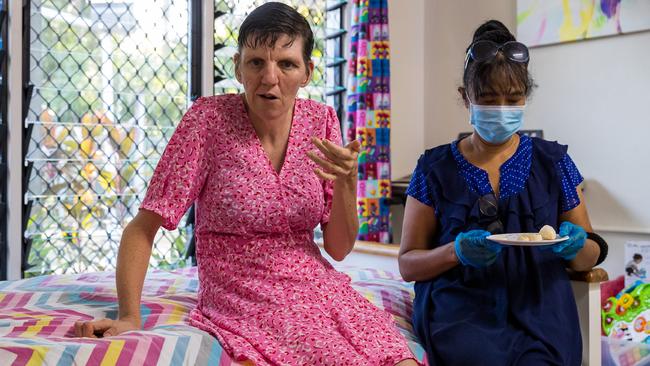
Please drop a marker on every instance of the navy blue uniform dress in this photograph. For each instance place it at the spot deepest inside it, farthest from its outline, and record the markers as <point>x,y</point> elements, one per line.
<point>519,310</point>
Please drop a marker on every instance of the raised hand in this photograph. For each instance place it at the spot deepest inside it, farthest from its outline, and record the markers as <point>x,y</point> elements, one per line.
<point>337,161</point>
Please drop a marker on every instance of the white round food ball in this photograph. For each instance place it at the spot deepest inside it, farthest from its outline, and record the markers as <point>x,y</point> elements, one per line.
<point>530,237</point>
<point>547,232</point>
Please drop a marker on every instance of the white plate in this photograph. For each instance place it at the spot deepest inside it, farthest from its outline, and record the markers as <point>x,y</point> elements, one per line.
<point>513,239</point>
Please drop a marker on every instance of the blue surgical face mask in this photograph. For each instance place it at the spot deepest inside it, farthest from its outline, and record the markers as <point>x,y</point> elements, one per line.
<point>496,123</point>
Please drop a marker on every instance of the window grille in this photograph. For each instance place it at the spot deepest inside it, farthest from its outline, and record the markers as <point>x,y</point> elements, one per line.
<point>111,82</point>
<point>111,79</point>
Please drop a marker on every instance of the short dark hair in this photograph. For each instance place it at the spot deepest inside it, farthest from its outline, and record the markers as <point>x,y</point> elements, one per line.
<point>480,76</point>
<point>268,22</point>
<point>637,256</point>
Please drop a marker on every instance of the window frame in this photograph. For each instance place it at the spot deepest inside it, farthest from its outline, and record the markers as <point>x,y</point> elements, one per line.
<point>4,20</point>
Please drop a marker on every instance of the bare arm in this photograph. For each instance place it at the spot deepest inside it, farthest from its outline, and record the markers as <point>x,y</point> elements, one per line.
<point>340,233</point>
<point>339,164</point>
<point>588,255</point>
<point>132,263</point>
<point>416,261</point>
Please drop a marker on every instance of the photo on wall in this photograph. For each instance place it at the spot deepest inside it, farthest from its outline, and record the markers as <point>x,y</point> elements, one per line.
<point>637,262</point>
<point>542,22</point>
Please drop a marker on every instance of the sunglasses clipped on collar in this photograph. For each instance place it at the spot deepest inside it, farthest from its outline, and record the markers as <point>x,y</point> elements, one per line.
<point>489,210</point>
<point>481,51</point>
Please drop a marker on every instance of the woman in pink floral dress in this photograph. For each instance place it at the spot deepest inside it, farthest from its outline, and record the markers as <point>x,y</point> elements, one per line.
<point>264,168</point>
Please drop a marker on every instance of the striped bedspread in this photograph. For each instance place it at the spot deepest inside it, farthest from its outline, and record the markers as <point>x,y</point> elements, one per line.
<point>37,317</point>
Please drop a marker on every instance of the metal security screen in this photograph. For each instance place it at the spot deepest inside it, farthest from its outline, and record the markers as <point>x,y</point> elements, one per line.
<point>110,84</point>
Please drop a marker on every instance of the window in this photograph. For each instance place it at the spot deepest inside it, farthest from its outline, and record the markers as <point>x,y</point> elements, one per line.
<point>110,84</point>
<point>111,80</point>
<point>336,61</point>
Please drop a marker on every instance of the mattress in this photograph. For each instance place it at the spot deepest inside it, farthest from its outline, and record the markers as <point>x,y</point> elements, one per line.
<point>37,317</point>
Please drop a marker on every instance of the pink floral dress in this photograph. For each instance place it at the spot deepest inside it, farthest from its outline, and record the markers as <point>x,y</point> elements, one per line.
<point>266,292</point>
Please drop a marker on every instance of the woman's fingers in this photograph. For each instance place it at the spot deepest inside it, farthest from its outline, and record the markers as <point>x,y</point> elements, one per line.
<point>321,146</point>
<point>355,146</point>
<point>345,157</point>
<point>340,152</point>
<point>87,330</point>
<point>336,161</point>
<point>333,151</point>
<point>92,328</point>
<point>110,332</point>
<point>324,175</point>
<point>328,165</point>
<point>77,329</point>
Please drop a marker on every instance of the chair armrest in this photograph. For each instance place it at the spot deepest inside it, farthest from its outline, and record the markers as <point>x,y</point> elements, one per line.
<point>594,275</point>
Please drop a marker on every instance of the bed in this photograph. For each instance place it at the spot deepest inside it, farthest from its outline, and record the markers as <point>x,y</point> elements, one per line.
<point>37,317</point>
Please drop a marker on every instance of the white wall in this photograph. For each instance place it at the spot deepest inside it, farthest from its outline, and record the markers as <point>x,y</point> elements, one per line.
<point>593,95</point>
<point>449,26</point>
<point>406,22</point>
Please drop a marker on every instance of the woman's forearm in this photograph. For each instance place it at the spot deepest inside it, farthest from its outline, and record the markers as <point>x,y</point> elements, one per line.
<point>586,257</point>
<point>341,231</point>
<point>132,263</point>
<point>426,264</point>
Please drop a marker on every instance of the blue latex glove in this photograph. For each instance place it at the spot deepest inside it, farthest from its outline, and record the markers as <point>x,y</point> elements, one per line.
<point>473,249</point>
<point>569,248</point>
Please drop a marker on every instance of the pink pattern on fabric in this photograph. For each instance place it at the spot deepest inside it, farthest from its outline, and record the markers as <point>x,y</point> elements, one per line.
<point>266,292</point>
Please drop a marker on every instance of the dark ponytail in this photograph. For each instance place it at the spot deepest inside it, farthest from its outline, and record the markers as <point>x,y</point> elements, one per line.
<point>480,77</point>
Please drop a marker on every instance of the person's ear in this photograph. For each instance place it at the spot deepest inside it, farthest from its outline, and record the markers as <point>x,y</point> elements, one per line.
<point>463,94</point>
<point>310,73</point>
<point>237,60</point>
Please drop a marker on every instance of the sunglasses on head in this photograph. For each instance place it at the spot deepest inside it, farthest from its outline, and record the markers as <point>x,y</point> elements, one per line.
<point>481,51</point>
<point>489,209</point>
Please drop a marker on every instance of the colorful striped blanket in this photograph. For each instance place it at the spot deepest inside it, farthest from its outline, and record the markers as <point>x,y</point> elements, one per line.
<point>37,317</point>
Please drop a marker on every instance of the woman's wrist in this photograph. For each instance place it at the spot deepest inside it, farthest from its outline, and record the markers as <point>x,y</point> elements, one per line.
<point>132,318</point>
<point>451,251</point>
<point>347,183</point>
<point>586,258</point>
<point>603,248</point>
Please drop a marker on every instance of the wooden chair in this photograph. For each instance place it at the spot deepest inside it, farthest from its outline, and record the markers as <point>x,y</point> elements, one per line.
<point>586,289</point>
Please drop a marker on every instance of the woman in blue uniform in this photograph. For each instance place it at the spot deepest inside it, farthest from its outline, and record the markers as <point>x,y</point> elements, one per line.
<point>478,302</point>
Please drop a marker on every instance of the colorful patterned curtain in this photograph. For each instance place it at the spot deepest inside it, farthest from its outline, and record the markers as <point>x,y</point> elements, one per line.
<point>368,117</point>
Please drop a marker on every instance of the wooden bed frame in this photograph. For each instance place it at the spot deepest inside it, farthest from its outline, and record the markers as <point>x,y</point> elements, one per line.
<point>586,289</point>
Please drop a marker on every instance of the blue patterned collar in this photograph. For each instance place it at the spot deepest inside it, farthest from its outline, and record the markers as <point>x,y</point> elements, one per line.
<point>514,172</point>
